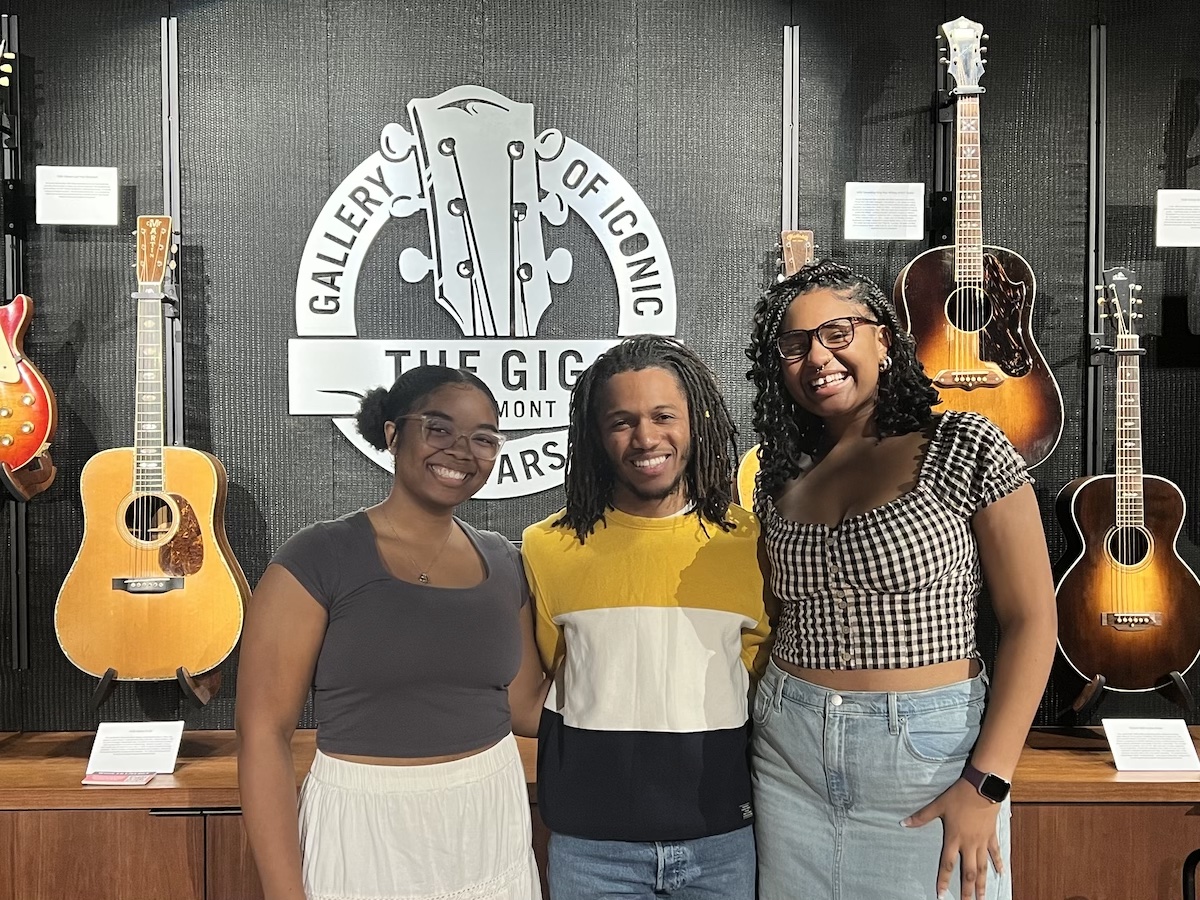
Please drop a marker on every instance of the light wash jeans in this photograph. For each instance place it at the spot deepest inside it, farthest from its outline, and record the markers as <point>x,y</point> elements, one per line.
<point>720,867</point>
<point>836,771</point>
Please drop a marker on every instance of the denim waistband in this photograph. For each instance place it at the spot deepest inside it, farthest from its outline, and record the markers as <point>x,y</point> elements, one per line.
<point>884,704</point>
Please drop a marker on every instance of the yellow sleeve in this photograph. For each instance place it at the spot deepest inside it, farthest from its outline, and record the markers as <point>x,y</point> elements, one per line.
<point>758,641</point>
<point>549,635</point>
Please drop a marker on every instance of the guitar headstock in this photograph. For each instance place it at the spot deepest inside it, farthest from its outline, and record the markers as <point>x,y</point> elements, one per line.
<point>1119,299</point>
<point>964,61</point>
<point>796,251</point>
<point>154,249</point>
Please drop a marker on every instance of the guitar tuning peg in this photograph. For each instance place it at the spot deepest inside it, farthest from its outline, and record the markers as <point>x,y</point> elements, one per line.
<point>943,60</point>
<point>3,81</point>
<point>986,37</point>
<point>6,68</point>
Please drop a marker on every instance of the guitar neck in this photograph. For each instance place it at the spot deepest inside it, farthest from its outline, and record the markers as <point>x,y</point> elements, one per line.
<point>148,418</point>
<point>968,215</point>
<point>1130,507</point>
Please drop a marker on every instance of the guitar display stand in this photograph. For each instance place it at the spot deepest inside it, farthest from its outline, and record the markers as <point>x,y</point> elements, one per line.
<point>30,480</point>
<point>199,689</point>
<point>1084,707</point>
<point>104,687</point>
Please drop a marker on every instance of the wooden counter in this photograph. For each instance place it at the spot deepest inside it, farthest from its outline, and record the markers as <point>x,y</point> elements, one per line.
<point>1081,830</point>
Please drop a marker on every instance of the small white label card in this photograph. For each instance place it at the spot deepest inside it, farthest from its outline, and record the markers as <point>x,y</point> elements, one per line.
<point>1177,220</point>
<point>884,211</point>
<point>78,195</point>
<point>134,749</point>
<point>1151,745</point>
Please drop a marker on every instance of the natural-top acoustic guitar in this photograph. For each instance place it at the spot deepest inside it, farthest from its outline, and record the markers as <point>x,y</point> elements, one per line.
<point>155,592</point>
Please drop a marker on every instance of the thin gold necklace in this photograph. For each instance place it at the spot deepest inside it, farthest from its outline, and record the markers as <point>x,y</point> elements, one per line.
<point>422,576</point>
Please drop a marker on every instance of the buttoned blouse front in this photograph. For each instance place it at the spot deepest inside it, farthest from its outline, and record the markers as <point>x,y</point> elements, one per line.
<point>898,585</point>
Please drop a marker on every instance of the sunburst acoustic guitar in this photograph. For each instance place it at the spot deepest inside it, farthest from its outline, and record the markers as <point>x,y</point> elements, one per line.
<point>970,307</point>
<point>155,592</point>
<point>1128,605</point>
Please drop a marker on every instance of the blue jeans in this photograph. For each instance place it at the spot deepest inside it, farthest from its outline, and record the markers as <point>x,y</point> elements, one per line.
<point>720,867</point>
<point>836,771</point>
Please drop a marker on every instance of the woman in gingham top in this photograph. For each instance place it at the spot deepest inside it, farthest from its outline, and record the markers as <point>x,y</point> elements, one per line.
<point>876,774</point>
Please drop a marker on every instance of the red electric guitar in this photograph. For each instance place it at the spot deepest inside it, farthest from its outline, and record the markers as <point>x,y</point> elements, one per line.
<point>28,415</point>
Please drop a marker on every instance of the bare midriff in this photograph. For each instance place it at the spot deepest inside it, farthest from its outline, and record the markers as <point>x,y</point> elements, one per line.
<point>917,679</point>
<point>407,760</point>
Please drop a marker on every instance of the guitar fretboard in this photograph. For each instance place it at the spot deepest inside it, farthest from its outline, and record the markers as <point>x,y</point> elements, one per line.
<point>1130,510</point>
<point>968,216</point>
<point>148,437</point>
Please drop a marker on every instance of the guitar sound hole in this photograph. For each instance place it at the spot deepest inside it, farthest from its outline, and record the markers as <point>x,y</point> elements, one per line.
<point>969,308</point>
<point>1128,546</point>
<point>149,518</point>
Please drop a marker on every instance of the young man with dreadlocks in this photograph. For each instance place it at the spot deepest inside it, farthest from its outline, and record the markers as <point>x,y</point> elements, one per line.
<point>876,773</point>
<point>650,615</point>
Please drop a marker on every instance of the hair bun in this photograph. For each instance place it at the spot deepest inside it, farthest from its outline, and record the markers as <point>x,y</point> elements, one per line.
<point>371,418</point>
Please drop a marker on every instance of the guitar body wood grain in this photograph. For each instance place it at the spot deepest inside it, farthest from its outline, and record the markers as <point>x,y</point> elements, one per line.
<point>1093,583</point>
<point>148,636</point>
<point>1027,407</point>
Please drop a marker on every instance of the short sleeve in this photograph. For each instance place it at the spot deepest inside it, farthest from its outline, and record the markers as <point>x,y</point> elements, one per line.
<point>310,556</point>
<point>994,466</point>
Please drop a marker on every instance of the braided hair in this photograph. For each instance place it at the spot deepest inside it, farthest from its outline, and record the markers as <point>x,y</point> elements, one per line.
<point>786,431</point>
<point>590,479</point>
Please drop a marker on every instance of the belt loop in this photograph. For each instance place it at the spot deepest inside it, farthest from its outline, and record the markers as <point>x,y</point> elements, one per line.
<point>893,714</point>
<point>777,697</point>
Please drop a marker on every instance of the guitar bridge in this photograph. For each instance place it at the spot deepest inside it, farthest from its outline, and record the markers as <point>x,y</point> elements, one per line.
<point>147,585</point>
<point>1131,621</point>
<point>967,379</point>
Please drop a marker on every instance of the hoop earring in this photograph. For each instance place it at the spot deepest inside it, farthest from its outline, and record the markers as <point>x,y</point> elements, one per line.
<point>885,364</point>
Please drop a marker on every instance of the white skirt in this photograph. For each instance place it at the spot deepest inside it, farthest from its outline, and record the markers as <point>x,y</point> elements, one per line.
<point>458,830</point>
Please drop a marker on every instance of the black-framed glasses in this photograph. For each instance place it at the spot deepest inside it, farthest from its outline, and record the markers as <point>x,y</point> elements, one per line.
<point>441,434</point>
<point>833,335</point>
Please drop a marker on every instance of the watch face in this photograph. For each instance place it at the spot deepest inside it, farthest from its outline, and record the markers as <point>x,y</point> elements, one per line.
<point>993,787</point>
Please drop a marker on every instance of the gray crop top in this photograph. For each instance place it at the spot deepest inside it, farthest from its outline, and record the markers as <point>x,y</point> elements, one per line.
<point>408,670</point>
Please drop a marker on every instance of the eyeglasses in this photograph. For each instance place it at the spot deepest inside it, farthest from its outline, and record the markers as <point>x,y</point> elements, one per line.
<point>441,434</point>
<point>833,335</point>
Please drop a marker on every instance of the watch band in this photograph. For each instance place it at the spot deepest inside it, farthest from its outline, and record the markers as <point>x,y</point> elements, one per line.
<point>989,785</point>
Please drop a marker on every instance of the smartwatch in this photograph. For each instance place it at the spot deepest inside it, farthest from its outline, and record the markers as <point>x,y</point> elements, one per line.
<point>990,786</point>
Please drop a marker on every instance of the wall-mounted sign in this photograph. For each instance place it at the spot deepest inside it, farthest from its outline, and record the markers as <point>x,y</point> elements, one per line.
<point>488,185</point>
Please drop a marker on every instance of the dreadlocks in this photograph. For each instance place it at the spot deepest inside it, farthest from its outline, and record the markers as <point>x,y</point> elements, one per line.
<point>785,430</point>
<point>590,480</point>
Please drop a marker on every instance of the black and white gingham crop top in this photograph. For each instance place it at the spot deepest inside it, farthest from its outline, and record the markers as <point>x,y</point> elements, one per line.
<point>895,587</point>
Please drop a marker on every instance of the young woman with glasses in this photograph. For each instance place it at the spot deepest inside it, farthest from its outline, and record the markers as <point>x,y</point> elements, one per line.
<point>876,773</point>
<point>414,631</point>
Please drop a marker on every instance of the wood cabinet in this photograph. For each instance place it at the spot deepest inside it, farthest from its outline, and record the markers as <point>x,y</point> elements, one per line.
<point>1081,830</point>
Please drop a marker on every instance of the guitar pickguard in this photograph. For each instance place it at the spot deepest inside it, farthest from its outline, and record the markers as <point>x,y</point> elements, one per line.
<point>184,553</point>
<point>1001,340</point>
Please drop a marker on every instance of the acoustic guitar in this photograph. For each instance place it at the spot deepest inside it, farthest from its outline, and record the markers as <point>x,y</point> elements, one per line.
<point>155,592</point>
<point>970,306</point>
<point>28,413</point>
<point>1128,605</point>
<point>796,249</point>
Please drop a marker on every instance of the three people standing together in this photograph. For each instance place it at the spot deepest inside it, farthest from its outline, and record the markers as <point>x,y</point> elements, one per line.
<point>850,740</point>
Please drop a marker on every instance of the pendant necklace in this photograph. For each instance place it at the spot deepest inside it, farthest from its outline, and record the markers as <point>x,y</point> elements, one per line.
<point>422,575</point>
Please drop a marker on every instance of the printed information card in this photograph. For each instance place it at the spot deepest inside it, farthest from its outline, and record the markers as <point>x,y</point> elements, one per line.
<point>1151,745</point>
<point>78,195</point>
<point>1177,219</point>
<point>133,752</point>
<point>884,211</point>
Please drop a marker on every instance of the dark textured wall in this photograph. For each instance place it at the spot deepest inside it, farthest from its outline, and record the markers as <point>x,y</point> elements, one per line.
<point>279,101</point>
